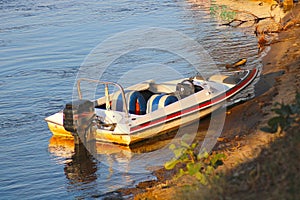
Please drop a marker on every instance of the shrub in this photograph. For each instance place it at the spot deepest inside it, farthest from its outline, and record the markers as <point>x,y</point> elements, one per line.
<point>200,166</point>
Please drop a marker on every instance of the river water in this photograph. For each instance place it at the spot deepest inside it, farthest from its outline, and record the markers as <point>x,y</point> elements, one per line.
<point>42,46</point>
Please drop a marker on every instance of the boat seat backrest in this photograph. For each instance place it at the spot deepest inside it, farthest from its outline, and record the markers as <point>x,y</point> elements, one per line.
<point>136,103</point>
<point>158,101</point>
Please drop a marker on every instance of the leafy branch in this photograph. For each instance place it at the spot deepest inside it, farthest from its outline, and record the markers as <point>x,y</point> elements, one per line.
<point>200,166</point>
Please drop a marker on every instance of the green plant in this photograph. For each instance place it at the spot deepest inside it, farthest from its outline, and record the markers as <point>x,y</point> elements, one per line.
<point>287,115</point>
<point>223,12</point>
<point>198,165</point>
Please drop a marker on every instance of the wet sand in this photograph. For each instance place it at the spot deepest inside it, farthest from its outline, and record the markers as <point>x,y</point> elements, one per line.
<point>242,139</point>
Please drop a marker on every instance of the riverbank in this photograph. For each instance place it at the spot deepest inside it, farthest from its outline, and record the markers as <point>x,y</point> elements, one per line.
<point>258,164</point>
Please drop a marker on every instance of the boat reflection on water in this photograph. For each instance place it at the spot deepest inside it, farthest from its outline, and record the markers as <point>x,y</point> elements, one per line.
<point>61,147</point>
<point>83,166</point>
<point>87,154</point>
<point>83,160</point>
<point>80,165</point>
<point>139,158</point>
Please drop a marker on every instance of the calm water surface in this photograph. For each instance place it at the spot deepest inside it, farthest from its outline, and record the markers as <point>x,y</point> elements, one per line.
<point>42,45</point>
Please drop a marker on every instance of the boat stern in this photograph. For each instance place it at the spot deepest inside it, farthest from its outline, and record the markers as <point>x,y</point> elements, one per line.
<point>55,124</point>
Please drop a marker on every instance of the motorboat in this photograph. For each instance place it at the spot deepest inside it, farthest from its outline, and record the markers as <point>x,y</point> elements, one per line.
<point>147,109</point>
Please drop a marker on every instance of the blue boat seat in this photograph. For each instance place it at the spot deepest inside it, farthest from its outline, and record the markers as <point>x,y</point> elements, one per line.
<point>136,103</point>
<point>158,101</point>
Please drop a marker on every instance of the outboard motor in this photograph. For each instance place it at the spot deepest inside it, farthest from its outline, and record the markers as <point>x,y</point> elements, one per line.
<point>78,115</point>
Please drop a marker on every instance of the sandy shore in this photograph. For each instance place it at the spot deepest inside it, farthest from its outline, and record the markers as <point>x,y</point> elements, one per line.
<point>242,139</point>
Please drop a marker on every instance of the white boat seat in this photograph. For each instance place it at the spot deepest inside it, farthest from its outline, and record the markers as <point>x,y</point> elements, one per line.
<point>136,103</point>
<point>158,101</point>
